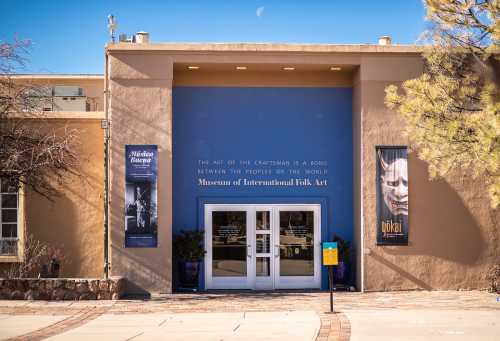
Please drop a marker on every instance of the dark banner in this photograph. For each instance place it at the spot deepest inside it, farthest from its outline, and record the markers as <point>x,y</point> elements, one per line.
<point>392,195</point>
<point>141,216</point>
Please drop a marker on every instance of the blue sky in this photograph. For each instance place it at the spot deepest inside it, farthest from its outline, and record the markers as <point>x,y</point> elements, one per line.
<point>69,36</point>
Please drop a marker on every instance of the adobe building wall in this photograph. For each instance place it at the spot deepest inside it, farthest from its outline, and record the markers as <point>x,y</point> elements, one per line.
<point>453,234</point>
<point>140,113</point>
<point>73,220</point>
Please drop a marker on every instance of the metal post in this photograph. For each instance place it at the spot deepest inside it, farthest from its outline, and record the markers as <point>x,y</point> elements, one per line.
<point>330,280</point>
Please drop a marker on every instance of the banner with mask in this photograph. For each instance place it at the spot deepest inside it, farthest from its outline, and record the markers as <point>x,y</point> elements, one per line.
<point>141,217</point>
<point>392,195</point>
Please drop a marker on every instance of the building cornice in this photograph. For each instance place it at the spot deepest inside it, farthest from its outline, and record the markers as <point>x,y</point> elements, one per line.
<point>58,76</point>
<point>263,47</point>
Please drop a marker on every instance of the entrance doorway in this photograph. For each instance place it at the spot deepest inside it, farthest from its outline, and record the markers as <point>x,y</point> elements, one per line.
<point>262,246</point>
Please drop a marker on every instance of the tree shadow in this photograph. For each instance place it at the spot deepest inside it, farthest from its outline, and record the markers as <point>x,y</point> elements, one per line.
<point>445,233</point>
<point>440,224</point>
<point>73,220</point>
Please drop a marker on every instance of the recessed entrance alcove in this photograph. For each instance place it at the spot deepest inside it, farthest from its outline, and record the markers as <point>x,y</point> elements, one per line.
<point>263,147</point>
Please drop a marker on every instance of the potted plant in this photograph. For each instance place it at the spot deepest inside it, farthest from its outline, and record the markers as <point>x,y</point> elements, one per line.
<point>189,249</point>
<point>341,271</point>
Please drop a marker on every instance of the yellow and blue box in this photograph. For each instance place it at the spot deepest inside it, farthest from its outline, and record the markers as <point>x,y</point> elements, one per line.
<point>330,253</point>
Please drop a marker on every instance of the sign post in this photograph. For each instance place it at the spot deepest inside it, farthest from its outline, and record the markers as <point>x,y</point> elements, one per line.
<point>330,258</point>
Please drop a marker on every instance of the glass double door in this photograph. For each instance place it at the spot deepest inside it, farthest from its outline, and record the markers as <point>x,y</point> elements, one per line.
<point>262,246</point>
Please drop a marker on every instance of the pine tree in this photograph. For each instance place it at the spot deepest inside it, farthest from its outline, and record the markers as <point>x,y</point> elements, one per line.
<point>452,111</point>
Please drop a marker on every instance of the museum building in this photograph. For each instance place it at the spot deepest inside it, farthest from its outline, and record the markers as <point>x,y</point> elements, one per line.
<point>270,150</point>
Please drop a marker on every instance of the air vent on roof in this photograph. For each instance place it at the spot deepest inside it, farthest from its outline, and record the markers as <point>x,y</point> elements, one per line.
<point>385,40</point>
<point>142,37</point>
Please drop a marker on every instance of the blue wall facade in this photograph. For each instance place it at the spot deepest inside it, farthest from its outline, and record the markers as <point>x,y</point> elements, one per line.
<point>298,141</point>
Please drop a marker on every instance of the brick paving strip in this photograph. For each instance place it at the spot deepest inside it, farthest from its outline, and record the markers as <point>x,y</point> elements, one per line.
<point>80,318</point>
<point>334,327</point>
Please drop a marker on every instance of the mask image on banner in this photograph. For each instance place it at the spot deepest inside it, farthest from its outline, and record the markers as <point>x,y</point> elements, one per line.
<point>394,182</point>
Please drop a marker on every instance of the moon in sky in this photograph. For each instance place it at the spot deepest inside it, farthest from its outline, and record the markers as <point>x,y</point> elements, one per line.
<point>260,11</point>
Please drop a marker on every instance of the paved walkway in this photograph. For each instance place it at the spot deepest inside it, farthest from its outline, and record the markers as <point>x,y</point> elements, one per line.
<point>446,315</point>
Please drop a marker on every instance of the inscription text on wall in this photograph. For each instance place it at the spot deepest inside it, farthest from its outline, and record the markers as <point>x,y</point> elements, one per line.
<point>265,173</point>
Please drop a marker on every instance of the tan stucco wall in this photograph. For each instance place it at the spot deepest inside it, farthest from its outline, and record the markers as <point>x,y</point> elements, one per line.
<point>73,221</point>
<point>453,234</point>
<point>140,113</point>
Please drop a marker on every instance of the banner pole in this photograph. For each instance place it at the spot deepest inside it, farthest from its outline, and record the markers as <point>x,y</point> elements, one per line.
<point>330,277</point>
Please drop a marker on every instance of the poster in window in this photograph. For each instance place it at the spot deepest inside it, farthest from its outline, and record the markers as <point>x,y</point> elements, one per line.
<point>141,216</point>
<point>392,195</point>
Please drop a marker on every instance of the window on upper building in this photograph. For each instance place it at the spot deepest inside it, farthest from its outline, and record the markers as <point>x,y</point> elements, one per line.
<point>59,98</point>
<point>9,219</point>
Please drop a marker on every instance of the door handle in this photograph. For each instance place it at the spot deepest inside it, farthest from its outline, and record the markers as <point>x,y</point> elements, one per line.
<point>249,251</point>
<point>276,250</point>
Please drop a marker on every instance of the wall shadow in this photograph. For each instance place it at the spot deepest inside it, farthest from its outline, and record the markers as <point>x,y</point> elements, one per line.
<point>440,224</point>
<point>400,271</point>
<point>73,220</point>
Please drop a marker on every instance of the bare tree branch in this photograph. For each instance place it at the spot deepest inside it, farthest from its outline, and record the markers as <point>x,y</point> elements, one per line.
<point>32,151</point>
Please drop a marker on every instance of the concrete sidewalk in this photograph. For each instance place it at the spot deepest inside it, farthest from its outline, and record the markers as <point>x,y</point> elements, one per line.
<point>422,315</point>
<point>396,325</point>
<point>14,325</point>
<point>293,326</point>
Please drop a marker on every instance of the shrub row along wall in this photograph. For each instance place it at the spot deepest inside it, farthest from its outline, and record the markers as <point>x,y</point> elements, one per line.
<point>62,289</point>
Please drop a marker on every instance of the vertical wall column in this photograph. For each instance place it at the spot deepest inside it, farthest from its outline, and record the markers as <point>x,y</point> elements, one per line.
<point>357,180</point>
<point>141,113</point>
<point>380,126</point>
